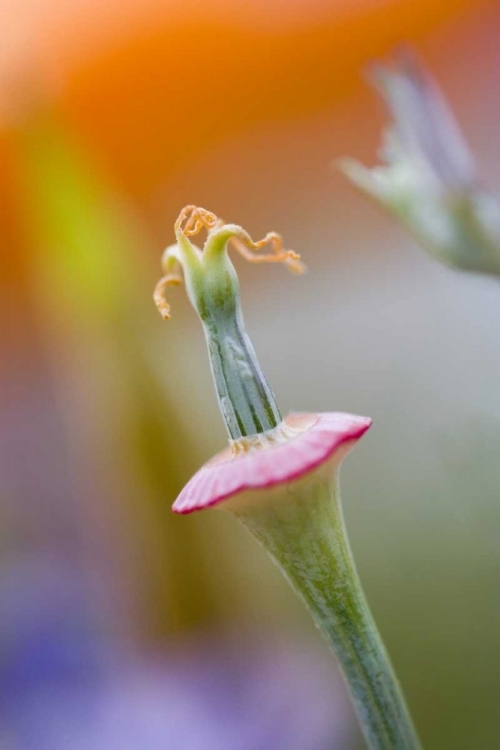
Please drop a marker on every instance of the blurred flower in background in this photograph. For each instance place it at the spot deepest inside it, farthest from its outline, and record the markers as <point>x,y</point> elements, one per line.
<point>65,686</point>
<point>113,116</point>
<point>428,178</point>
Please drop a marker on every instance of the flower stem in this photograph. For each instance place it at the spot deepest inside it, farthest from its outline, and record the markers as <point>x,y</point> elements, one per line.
<point>246,401</point>
<point>302,528</point>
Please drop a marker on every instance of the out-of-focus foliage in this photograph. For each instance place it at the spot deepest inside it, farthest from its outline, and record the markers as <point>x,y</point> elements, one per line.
<point>90,282</point>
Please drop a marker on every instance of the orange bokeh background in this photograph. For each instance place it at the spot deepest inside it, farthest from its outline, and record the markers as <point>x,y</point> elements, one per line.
<point>152,85</point>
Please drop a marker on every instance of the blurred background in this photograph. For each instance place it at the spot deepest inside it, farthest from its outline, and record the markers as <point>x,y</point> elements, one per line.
<point>121,625</point>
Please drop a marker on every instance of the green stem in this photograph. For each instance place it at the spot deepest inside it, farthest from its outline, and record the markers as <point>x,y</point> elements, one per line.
<point>302,528</point>
<point>246,400</point>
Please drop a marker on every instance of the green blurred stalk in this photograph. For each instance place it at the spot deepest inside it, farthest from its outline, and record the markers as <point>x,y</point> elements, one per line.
<point>90,285</point>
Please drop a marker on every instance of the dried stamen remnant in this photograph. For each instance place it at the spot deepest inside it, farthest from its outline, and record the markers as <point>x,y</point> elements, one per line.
<point>246,248</point>
<point>192,219</point>
<point>170,279</point>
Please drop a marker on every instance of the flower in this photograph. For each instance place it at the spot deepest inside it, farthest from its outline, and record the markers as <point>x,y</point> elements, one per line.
<point>428,176</point>
<point>280,477</point>
<point>303,443</point>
